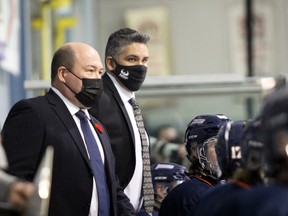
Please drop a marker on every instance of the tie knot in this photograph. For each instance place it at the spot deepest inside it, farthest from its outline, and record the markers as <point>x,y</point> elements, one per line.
<point>81,115</point>
<point>133,102</point>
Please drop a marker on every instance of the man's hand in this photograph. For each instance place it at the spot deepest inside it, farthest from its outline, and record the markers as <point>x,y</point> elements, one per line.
<point>20,193</point>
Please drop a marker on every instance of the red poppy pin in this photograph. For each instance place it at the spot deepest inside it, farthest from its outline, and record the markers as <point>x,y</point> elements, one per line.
<point>99,127</point>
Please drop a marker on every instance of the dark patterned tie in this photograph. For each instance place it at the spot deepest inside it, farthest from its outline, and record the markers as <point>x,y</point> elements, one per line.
<point>97,166</point>
<point>147,186</point>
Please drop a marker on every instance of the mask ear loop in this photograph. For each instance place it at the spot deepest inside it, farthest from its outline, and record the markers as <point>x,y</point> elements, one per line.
<point>68,85</point>
<point>73,74</point>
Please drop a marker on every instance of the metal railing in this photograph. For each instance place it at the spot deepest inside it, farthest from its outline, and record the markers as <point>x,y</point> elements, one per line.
<point>189,84</point>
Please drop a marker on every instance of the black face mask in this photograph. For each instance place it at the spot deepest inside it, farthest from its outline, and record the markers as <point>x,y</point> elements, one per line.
<point>90,92</point>
<point>132,77</point>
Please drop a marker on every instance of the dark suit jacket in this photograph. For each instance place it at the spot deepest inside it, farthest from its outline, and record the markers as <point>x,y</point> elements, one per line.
<point>112,113</point>
<point>33,124</point>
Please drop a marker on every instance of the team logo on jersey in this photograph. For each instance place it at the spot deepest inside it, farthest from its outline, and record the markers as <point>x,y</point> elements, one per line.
<point>124,74</point>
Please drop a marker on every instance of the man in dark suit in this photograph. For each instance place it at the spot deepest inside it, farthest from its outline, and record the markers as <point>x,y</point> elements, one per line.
<point>126,61</point>
<point>33,124</point>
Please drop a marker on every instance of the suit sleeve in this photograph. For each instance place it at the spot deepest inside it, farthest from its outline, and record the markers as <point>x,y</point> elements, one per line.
<point>22,138</point>
<point>124,207</point>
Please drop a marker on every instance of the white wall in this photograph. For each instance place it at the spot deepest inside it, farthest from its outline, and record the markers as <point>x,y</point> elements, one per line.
<point>200,32</point>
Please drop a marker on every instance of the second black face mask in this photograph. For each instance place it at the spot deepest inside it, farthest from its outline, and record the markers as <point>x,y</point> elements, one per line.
<point>132,77</point>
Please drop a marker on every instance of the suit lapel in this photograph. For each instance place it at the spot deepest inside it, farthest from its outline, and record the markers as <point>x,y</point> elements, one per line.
<point>63,113</point>
<point>116,95</point>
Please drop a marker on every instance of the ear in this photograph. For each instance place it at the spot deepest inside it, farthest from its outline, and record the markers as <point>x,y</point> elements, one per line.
<point>61,73</point>
<point>110,63</point>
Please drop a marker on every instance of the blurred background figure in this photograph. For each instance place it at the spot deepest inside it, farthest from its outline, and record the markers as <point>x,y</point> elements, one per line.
<point>165,177</point>
<point>167,133</point>
<point>167,145</point>
<point>183,198</point>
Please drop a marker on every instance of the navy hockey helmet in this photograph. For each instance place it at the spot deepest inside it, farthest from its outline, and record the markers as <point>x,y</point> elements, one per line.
<point>275,124</point>
<point>252,145</point>
<point>201,128</point>
<point>228,147</point>
<point>169,174</point>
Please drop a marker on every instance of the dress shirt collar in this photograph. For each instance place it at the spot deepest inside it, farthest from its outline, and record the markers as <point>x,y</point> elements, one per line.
<point>125,94</point>
<point>71,107</point>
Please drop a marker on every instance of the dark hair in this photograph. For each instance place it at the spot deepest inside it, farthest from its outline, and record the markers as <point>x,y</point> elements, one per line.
<point>122,38</point>
<point>64,56</point>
